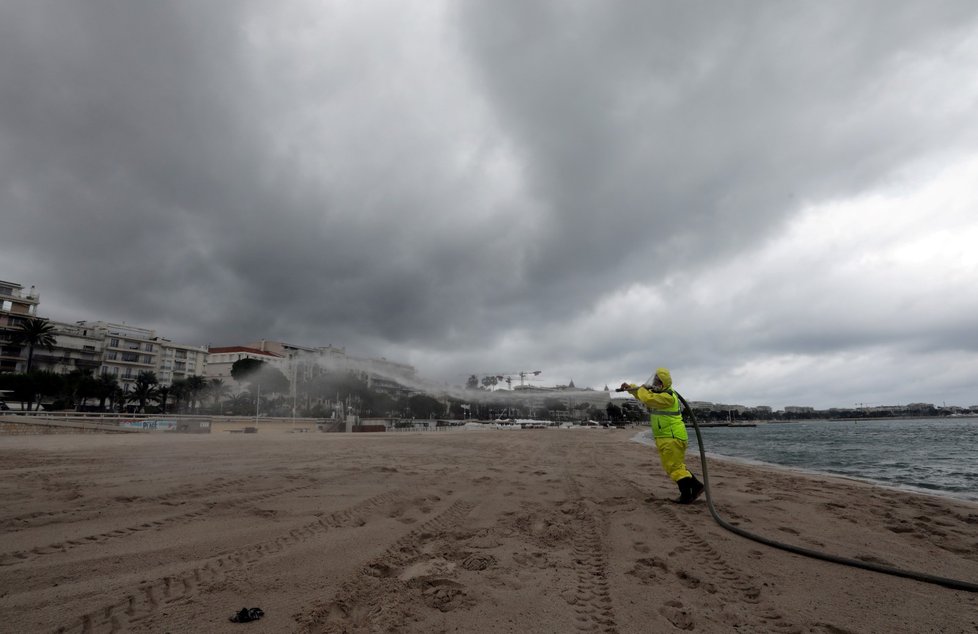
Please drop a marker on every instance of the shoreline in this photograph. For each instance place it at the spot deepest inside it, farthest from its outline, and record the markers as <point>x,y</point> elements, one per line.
<point>693,454</point>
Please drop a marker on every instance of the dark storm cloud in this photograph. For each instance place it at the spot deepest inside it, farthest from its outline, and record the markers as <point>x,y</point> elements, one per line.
<point>664,133</point>
<point>475,188</point>
<point>120,134</point>
<point>139,152</point>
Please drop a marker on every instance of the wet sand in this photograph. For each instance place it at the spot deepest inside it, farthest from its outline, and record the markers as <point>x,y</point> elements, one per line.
<point>528,531</point>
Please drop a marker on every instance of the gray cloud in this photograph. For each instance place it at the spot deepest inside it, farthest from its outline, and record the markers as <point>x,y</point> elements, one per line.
<point>475,189</point>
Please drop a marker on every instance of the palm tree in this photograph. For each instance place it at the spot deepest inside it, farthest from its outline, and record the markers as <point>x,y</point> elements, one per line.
<point>85,386</point>
<point>240,403</point>
<point>195,385</point>
<point>142,393</point>
<point>105,387</point>
<point>144,389</point>
<point>218,390</point>
<point>35,332</point>
<point>162,394</point>
<point>178,390</point>
<point>119,396</point>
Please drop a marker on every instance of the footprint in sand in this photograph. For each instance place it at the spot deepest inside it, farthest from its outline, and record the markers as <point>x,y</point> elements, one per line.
<point>649,570</point>
<point>678,615</point>
<point>687,579</point>
<point>478,562</point>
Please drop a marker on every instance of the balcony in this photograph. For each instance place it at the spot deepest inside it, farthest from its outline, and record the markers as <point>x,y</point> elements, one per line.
<point>137,362</point>
<point>31,296</point>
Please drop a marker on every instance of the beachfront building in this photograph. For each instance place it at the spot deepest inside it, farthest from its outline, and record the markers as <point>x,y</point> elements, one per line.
<point>127,350</point>
<point>384,376</point>
<point>178,361</point>
<point>76,348</point>
<point>118,350</point>
<point>304,363</point>
<point>795,409</point>
<point>571,399</point>
<point>16,307</point>
<point>220,360</point>
<point>300,363</point>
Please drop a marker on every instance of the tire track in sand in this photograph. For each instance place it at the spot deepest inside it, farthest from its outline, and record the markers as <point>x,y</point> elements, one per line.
<point>22,556</point>
<point>151,596</point>
<point>377,597</point>
<point>593,607</point>
<point>87,511</point>
<point>734,584</point>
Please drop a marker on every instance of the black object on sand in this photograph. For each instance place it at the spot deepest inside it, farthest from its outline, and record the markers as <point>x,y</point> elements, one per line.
<point>246,615</point>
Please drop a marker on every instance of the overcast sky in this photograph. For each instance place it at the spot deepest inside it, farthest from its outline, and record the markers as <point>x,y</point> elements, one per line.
<point>778,201</point>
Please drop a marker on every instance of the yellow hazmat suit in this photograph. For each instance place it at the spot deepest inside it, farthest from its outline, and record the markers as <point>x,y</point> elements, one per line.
<point>666,419</point>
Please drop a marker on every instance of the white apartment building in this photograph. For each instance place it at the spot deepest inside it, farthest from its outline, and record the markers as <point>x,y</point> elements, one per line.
<point>75,348</point>
<point>16,306</point>
<point>221,359</point>
<point>796,409</point>
<point>386,377</point>
<point>128,350</point>
<point>301,363</point>
<point>178,361</point>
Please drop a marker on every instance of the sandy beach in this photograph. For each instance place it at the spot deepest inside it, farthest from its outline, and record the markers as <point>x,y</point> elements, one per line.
<point>482,531</point>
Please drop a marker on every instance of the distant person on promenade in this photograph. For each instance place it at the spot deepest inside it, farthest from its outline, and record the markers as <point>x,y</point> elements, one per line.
<point>666,419</point>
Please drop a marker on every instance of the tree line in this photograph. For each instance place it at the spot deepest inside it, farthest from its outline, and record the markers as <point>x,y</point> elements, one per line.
<point>265,390</point>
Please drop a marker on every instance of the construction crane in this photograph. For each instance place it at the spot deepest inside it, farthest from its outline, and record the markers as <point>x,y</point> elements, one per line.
<point>523,375</point>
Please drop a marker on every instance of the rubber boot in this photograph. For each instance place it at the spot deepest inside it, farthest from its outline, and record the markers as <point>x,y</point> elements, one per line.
<point>685,491</point>
<point>696,488</point>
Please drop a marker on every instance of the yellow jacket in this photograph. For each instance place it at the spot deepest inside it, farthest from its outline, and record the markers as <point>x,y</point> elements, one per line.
<point>665,410</point>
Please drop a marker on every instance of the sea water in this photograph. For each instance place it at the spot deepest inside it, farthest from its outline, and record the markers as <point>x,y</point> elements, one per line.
<point>933,455</point>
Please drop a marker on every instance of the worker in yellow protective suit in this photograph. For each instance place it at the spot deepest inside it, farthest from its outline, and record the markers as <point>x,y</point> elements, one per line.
<point>666,418</point>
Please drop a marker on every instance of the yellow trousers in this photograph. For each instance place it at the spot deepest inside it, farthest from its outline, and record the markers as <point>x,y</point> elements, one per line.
<point>672,452</point>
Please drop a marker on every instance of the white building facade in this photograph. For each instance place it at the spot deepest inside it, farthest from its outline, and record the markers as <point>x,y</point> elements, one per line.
<point>16,307</point>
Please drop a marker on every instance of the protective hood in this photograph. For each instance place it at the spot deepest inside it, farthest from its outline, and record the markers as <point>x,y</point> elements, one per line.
<point>664,376</point>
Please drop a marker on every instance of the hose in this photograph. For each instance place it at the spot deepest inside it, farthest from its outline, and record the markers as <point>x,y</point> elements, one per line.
<point>845,561</point>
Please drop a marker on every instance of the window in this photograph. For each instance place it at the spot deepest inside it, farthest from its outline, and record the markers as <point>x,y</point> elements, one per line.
<point>114,343</point>
<point>7,306</point>
<point>112,356</point>
<point>147,359</point>
<point>148,347</point>
<point>88,348</point>
<point>130,357</point>
<point>132,345</point>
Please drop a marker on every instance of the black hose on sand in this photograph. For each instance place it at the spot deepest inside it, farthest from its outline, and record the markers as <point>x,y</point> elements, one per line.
<point>845,561</point>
